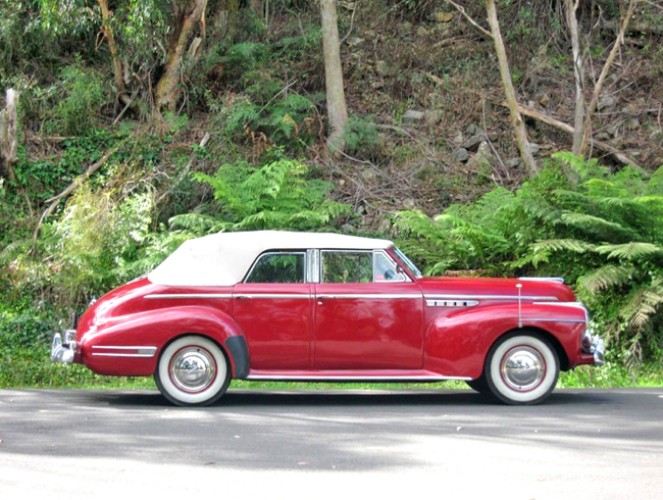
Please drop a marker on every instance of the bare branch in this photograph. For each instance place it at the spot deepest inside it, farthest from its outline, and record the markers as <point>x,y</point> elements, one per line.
<point>591,108</point>
<point>462,11</point>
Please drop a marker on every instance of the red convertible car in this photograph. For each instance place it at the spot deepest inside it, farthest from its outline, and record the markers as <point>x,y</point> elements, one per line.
<point>277,305</point>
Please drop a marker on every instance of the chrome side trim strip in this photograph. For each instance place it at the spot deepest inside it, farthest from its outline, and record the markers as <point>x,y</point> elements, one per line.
<point>489,297</point>
<point>325,296</point>
<point>578,305</point>
<point>554,320</point>
<point>367,378</point>
<point>274,296</point>
<point>124,351</point>
<point>189,296</point>
<point>555,279</point>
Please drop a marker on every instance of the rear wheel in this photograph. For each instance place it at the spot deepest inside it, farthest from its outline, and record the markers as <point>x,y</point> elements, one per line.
<point>192,371</point>
<point>522,369</point>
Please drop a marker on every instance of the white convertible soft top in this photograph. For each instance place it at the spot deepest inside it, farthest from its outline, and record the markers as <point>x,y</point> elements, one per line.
<point>223,259</point>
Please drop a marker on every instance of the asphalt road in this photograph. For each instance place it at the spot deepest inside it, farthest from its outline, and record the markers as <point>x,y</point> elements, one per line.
<point>312,445</point>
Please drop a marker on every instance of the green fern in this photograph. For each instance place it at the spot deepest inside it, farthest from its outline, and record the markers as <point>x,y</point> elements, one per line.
<point>278,195</point>
<point>630,251</point>
<point>606,277</point>
<point>576,246</point>
<point>644,304</point>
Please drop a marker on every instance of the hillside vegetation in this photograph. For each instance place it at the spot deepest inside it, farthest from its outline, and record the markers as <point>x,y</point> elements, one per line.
<point>122,152</point>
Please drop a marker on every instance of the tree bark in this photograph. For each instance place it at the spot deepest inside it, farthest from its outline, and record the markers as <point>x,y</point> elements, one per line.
<point>9,134</point>
<point>520,133</point>
<point>337,111</point>
<point>167,91</point>
<point>107,30</point>
<point>591,108</point>
<point>571,7</point>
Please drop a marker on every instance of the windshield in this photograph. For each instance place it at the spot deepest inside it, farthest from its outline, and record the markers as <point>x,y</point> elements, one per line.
<point>408,263</point>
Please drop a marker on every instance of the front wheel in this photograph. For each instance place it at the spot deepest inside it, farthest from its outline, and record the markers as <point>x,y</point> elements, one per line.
<point>192,371</point>
<point>522,369</point>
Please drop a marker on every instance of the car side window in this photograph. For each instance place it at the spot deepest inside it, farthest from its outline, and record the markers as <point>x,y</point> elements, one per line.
<point>278,267</point>
<point>385,269</point>
<point>347,267</point>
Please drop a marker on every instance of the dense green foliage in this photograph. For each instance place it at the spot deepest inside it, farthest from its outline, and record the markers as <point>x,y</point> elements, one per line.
<point>600,230</point>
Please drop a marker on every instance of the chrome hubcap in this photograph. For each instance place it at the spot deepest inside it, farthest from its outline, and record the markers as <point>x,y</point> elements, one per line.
<point>193,369</point>
<point>523,368</point>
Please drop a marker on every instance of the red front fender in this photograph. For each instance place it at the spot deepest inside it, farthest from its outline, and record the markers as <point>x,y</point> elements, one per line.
<point>457,343</point>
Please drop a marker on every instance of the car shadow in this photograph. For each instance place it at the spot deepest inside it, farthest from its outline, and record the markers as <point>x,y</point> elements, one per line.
<point>272,398</point>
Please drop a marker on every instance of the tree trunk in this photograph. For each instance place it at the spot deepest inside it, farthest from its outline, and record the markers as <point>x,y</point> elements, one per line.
<point>107,30</point>
<point>571,7</point>
<point>9,134</point>
<point>337,112</point>
<point>516,119</point>
<point>167,91</point>
<point>591,108</point>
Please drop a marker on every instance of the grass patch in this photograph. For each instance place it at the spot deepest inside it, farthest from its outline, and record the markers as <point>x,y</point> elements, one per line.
<point>26,368</point>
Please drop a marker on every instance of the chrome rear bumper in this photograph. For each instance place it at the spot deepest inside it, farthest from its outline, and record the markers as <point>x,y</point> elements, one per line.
<point>598,349</point>
<point>63,348</point>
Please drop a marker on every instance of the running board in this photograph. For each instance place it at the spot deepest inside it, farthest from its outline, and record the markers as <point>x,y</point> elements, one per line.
<point>351,376</point>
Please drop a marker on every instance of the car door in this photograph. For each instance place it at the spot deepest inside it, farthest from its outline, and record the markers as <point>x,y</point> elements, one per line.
<point>368,315</point>
<point>273,307</point>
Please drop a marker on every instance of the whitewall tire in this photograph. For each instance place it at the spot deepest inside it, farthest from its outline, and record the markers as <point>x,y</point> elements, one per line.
<point>192,371</point>
<point>522,368</point>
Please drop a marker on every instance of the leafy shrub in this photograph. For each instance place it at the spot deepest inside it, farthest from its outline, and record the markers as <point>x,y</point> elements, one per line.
<point>279,195</point>
<point>276,123</point>
<point>601,230</point>
<point>76,113</point>
<point>97,238</point>
<point>362,137</point>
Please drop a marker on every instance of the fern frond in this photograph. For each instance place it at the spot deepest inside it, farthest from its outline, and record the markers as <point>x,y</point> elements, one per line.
<point>592,224</point>
<point>606,277</point>
<point>196,224</point>
<point>629,251</point>
<point>575,246</point>
<point>643,305</point>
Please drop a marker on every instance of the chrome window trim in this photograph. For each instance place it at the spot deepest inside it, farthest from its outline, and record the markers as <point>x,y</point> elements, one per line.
<point>277,252</point>
<point>373,253</point>
<point>344,250</point>
<point>408,262</point>
<point>314,265</point>
<point>405,277</point>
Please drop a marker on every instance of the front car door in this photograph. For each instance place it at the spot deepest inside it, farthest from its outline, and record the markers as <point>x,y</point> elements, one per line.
<point>368,313</point>
<point>273,306</point>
